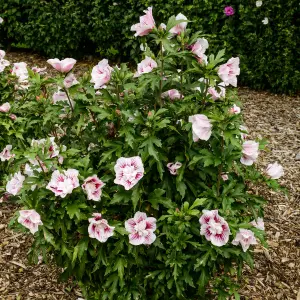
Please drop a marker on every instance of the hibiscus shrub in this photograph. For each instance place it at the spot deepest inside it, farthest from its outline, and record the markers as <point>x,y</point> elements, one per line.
<point>137,184</point>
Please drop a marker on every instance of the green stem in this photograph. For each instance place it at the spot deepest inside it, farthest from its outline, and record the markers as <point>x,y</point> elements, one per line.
<point>38,160</point>
<point>118,93</point>
<point>71,106</point>
<point>220,169</point>
<point>181,73</point>
<point>161,74</point>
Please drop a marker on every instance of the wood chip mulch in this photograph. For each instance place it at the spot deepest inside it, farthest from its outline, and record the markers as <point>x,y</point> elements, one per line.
<point>277,269</point>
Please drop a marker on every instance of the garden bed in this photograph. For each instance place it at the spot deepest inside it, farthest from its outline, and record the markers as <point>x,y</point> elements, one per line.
<point>277,271</point>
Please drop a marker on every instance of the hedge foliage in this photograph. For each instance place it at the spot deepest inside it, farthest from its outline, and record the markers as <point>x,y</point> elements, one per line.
<point>269,53</point>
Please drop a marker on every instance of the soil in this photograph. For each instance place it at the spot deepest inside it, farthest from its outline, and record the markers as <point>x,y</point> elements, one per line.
<point>277,269</point>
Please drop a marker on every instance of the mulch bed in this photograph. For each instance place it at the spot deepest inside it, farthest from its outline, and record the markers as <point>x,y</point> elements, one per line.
<point>277,269</point>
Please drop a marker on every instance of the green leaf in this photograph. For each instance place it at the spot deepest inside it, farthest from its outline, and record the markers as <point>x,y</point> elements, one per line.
<point>181,188</point>
<point>155,198</point>
<point>198,202</point>
<point>49,237</point>
<point>73,209</point>
<point>122,197</point>
<point>119,265</point>
<point>80,249</point>
<point>203,280</point>
<point>135,197</point>
<point>201,262</point>
<point>149,145</point>
<point>173,22</point>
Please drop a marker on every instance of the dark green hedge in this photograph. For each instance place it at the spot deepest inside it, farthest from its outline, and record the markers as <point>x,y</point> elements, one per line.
<point>270,54</point>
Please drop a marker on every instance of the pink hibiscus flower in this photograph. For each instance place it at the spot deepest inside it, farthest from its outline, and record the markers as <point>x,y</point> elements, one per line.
<point>62,184</point>
<point>245,238</point>
<point>141,229</point>
<point>99,228</point>
<point>229,71</point>
<point>30,219</point>
<point>249,153</point>
<point>63,66</point>
<point>101,74</point>
<point>214,228</point>
<point>146,24</point>
<point>201,127</point>
<point>128,171</point>
<point>173,167</point>
<point>93,187</point>
<point>6,154</point>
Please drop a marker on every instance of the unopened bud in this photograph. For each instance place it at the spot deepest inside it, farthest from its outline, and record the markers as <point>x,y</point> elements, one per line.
<point>13,117</point>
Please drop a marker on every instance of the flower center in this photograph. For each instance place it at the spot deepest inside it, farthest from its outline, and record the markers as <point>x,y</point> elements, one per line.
<point>140,228</point>
<point>215,228</point>
<point>129,173</point>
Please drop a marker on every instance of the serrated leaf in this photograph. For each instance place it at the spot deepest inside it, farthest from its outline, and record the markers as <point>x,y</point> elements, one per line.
<point>80,249</point>
<point>119,265</point>
<point>135,197</point>
<point>181,187</point>
<point>74,209</point>
<point>49,237</point>
<point>198,202</point>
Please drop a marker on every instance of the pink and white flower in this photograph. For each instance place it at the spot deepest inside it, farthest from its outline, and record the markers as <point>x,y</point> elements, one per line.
<point>259,223</point>
<point>229,71</point>
<point>275,171</point>
<point>235,109</point>
<point>53,150</point>
<point>173,167</point>
<point>146,24</point>
<point>224,176</point>
<point>5,107</point>
<point>101,74</point>
<point>59,96</point>
<point>62,184</point>
<point>245,238</point>
<point>129,171</point>
<point>214,228</point>
<point>99,228</point>
<point>30,219</point>
<point>93,187</point>
<point>172,94</point>
<point>199,49</point>
<point>70,80</point>
<point>245,133</point>
<point>3,62</point>
<point>162,26</point>
<point>215,95</point>
<point>29,171</point>
<point>13,117</point>
<point>141,229</point>
<point>39,70</point>
<point>14,185</point>
<point>249,153</point>
<point>145,66</point>
<point>181,27</point>
<point>6,154</point>
<point>20,70</point>
<point>201,127</point>
<point>1,20</point>
<point>63,66</point>
<point>2,54</point>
